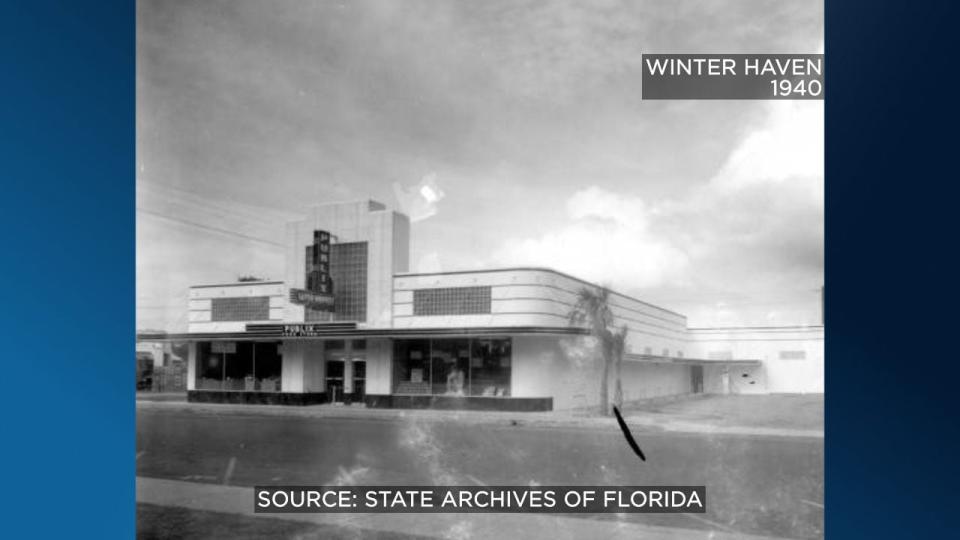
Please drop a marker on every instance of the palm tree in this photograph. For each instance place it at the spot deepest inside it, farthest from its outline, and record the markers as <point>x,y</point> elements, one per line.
<point>618,348</point>
<point>593,310</point>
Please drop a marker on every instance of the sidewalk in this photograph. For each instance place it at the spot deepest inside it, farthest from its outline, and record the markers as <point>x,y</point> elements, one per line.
<point>240,500</point>
<point>637,421</point>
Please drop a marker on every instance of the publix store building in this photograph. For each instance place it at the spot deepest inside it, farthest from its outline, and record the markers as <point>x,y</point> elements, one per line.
<point>350,323</point>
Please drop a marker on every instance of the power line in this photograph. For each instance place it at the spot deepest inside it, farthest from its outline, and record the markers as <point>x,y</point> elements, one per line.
<point>209,227</point>
<point>177,196</point>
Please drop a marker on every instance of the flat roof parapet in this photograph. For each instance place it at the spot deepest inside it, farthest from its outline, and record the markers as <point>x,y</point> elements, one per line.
<point>537,269</point>
<point>237,284</point>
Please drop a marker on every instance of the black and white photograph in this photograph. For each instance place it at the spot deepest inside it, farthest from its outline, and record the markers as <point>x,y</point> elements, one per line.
<point>450,245</point>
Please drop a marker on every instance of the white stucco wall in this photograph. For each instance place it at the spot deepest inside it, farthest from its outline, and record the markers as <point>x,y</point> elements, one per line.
<point>792,358</point>
<point>741,379</point>
<point>645,380</point>
<point>565,368</point>
<point>549,366</point>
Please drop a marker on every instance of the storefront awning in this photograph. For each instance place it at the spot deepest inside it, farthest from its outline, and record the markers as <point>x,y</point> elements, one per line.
<point>320,331</point>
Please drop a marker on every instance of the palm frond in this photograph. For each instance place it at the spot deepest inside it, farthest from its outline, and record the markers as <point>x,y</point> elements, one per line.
<point>592,308</point>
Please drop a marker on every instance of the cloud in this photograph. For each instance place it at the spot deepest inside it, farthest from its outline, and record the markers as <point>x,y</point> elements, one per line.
<point>787,147</point>
<point>762,212</point>
<point>608,240</point>
<point>753,230</point>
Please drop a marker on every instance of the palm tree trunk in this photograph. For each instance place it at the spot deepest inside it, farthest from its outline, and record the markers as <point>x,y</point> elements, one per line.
<point>604,386</point>
<point>618,386</point>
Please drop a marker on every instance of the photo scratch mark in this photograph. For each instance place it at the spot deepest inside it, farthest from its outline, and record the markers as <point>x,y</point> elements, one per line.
<point>626,433</point>
<point>229,472</point>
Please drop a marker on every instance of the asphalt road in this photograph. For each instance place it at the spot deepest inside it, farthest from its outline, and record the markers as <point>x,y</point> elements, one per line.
<point>759,485</point>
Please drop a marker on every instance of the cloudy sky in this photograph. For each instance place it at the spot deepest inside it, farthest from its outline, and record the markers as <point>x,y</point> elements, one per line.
<point>525,116</point>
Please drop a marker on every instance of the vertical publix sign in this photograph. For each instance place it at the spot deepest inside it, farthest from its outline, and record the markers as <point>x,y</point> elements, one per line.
<point>318,294</point>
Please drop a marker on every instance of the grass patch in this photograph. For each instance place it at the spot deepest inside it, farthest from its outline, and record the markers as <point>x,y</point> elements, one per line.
<point>155,522</point>
<point>786,411</point>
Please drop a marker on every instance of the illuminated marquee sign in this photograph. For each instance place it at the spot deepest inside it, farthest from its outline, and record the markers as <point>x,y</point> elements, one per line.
<point>319,292</point>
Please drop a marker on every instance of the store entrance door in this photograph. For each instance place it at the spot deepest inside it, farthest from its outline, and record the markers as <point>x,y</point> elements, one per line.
<point>359,380</point>
<point>334,383</point>
<point>696,379</point>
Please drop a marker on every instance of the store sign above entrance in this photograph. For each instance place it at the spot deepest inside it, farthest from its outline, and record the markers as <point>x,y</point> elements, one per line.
<point>300,329</point>
<point>311,300</point>
<point>311,330</point>
<point>318,294</point>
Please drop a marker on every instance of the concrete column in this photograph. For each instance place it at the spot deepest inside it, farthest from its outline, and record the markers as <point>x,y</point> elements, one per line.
<point>348,375</point>
<point>291,371</point>
<point>379,366</point>
<point>192,365</point>
<point>313,366</point>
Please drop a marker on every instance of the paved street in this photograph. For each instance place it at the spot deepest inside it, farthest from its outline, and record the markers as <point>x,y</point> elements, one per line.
<point>758,485</point>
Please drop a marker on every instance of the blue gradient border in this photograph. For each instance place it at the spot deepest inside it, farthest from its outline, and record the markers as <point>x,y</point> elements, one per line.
<point>68,267</point>
<point>891,272</point>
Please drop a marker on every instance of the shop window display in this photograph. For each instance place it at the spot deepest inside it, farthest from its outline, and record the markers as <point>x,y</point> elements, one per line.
<point>453,367</point>
<point>412,366</point>
<point>238,366</point>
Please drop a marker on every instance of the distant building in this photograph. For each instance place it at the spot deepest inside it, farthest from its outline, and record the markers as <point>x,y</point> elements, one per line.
<point>154,350</point>
<point>349,322</point>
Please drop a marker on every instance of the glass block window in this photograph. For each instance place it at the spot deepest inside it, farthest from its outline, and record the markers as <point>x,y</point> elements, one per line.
<point>348,268</point>
<point>316,315</point>
<point>241,308</point>
<point>451,301</point>
<point>793,355</point>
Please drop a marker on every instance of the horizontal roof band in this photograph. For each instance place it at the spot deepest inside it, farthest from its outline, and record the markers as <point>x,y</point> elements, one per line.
<point>323,332</point>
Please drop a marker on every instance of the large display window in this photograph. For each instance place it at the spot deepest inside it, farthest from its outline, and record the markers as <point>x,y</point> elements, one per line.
<point>239,366</point>
<point>267,365</point>
<point>209,367</point>
<point>450,367</point>
<point>453,367</point>
<point>412,366</point>
<point>490,367</point>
